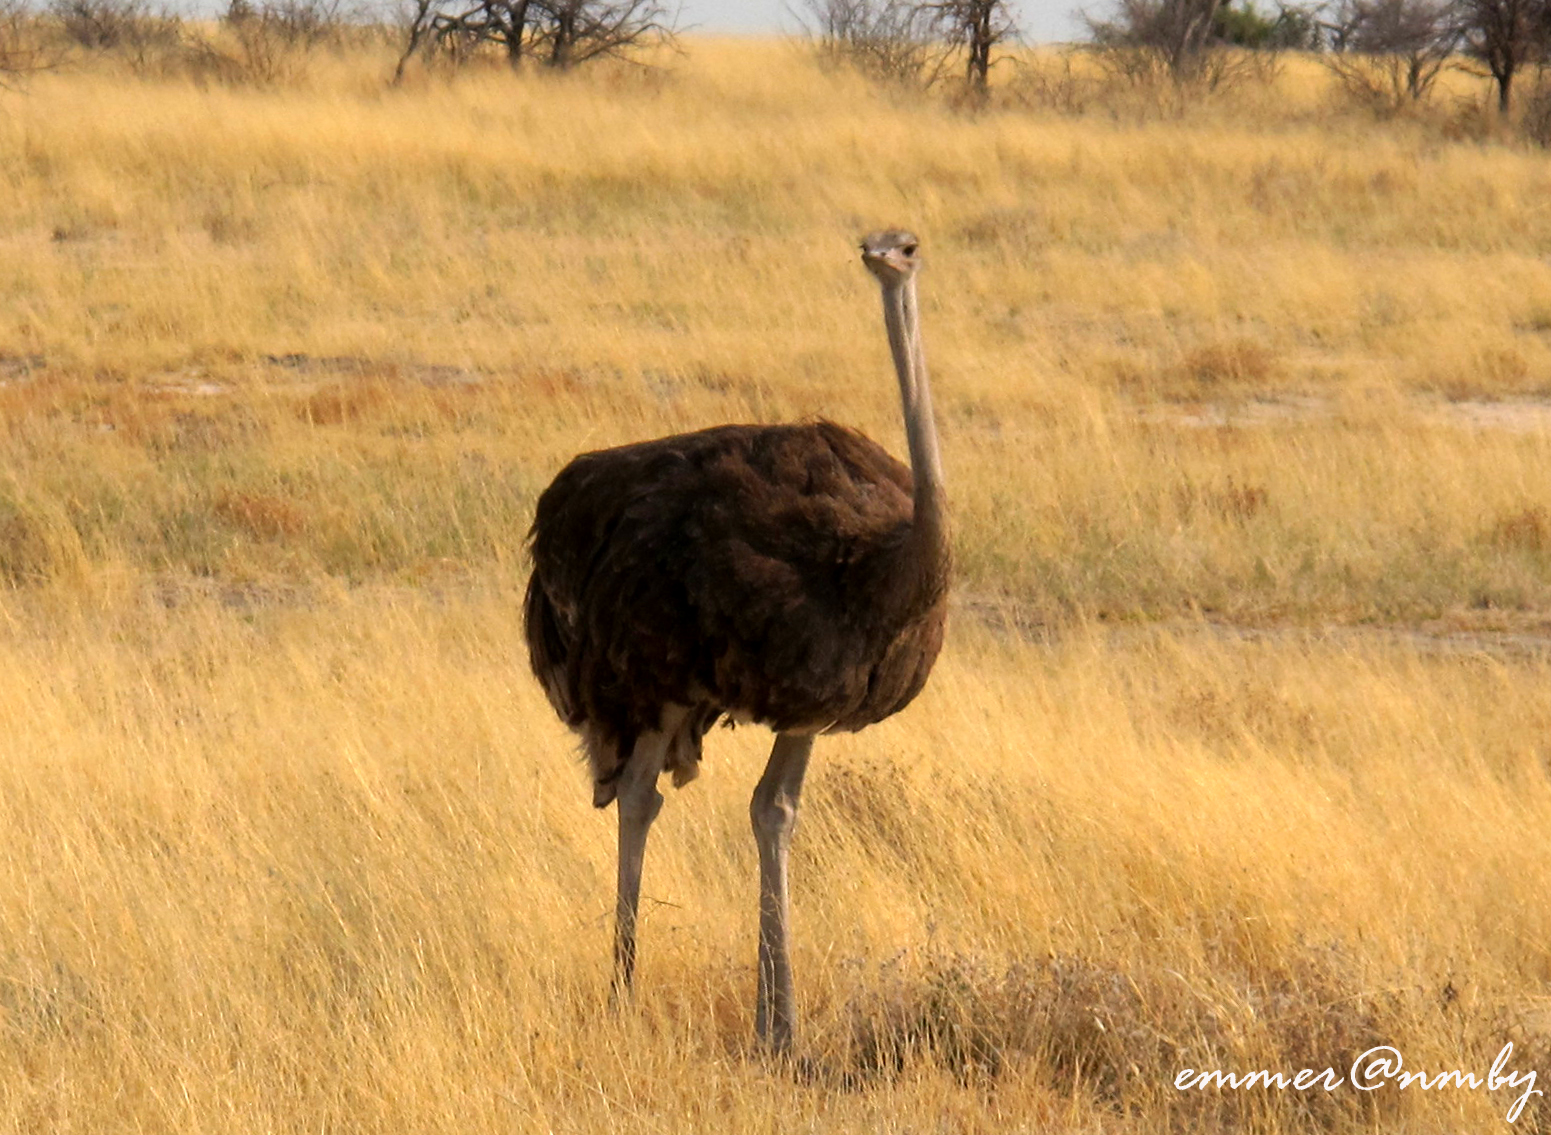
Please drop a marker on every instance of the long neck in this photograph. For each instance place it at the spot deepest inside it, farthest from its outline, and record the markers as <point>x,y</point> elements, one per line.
<point>929,532</point>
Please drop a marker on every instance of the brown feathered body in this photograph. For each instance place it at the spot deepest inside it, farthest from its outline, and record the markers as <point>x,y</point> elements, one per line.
<point>763,573</point>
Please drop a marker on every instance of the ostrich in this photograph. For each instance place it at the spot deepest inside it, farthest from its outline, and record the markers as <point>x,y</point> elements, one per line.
<point>791,575</point>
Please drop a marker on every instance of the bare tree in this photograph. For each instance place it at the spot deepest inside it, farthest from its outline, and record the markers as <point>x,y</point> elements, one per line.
<point>258,41</point>
<point>272,40</point>
<point>1506,36</point>
<point>1197,44</point>
<point>148,39</point>
<point>297,23</point>
<point>1145,36</point>
<point>914,41</point>
<point>975,27</point>
<point>892,40</point>
<point>23,47</point>
<point>415,22</point>
<point>1390,52</point>
<point>109,25</point>
<point>579,30</point>
<point>560,33</point>
<point>505,24</point>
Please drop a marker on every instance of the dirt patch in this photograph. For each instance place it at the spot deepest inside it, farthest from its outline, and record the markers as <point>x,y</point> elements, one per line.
<point>1517,416</point>
<point>1522,415</point>
<point>1504,634</point>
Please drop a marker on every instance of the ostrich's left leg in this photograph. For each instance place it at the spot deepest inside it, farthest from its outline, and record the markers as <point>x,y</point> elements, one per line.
<point>638,803</point>
<point>773,811</point>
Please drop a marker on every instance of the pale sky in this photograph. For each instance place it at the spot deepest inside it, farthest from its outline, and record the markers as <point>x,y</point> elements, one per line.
<point>1044,20</point>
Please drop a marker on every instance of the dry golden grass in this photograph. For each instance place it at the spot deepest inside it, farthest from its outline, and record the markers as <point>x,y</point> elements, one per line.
<point>291,867</point>
<point>1237,757</point>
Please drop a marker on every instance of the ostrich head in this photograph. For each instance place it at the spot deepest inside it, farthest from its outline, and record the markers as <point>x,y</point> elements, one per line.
<point>891,255</point>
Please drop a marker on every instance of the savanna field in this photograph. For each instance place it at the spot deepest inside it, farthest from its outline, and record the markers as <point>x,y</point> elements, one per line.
<point>1238,755</point>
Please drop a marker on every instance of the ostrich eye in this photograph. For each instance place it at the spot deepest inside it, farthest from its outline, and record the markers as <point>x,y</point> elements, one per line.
<point>909,250</point>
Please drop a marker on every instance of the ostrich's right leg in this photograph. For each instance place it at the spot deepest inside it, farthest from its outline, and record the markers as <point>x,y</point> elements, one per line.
<point>773,811</point>
<point>638,802</point>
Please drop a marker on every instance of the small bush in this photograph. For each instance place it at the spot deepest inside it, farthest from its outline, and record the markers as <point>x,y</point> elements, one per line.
<point>37,542</point>
<point>1527,530</point>
<point>1237,362</point>
<point>260,515</point>
<point>256,43</point>
<point>1123,1033</point>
